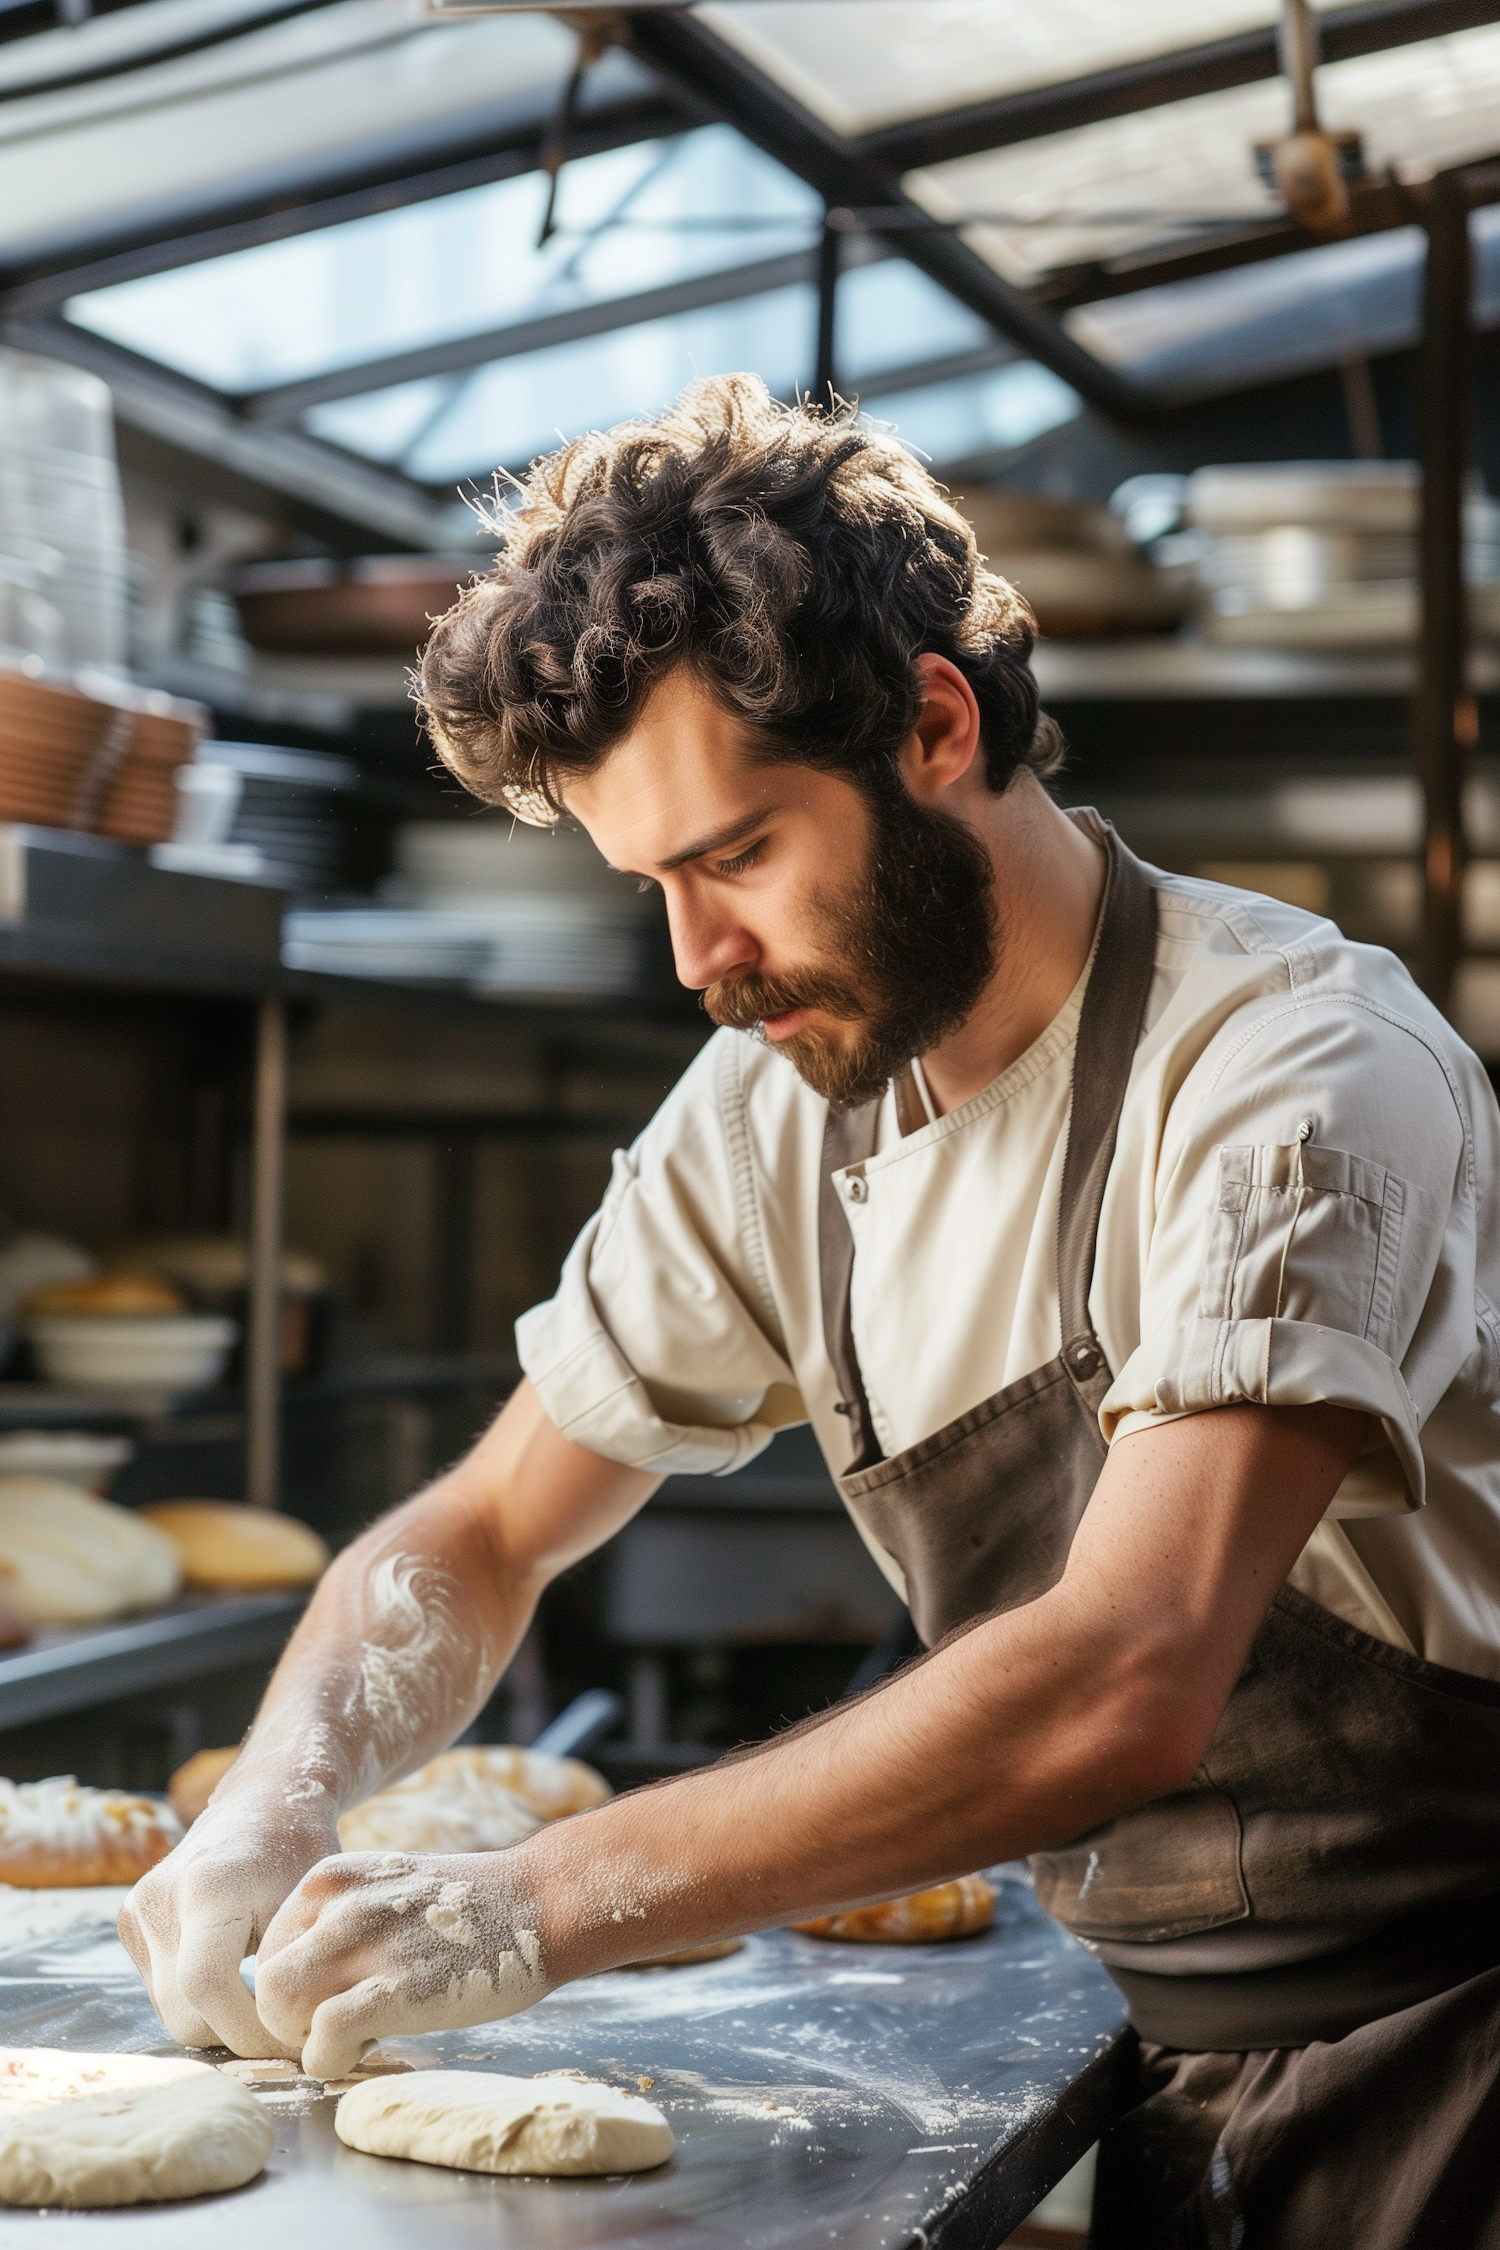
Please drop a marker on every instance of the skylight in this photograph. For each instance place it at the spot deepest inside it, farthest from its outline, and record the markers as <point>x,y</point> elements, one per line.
<point>630,219</point>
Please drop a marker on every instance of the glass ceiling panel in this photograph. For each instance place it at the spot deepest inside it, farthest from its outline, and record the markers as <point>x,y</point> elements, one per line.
<point>1283,317</point>
<point>861,64</point>
<point>1110,188</point>
<point>276,111</point>
<point>996,412</point>
<point>446,429</point>
<point>630,219</point>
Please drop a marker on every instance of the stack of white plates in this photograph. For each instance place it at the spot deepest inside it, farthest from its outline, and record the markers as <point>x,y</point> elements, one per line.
<point>385,942</point>
<point>1323,554</point>
<point>60,504</point>
<point>523,945</point>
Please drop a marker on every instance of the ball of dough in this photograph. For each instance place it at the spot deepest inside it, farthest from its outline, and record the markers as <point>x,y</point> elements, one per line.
<point>223,1544</point>
<point>472,1800</point>
<point>58,1835</point>
<point>194,1782</point>
<point>948,1910</point>
<point>477,2121</point>
<point>87,2132</point>
<point>69,1559</point>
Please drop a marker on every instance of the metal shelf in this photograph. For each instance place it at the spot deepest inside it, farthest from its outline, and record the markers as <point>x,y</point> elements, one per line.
<point>70,1667</point>
<point>1130,671</point>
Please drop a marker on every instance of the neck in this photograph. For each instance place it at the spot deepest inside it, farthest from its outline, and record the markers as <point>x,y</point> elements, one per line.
<point>1049,880</point>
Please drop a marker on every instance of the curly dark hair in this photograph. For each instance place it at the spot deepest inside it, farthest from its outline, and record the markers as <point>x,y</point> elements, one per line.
<point>797,559</point>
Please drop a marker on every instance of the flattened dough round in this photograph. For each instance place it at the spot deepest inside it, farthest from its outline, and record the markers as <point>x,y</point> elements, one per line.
<point>478,2121</point>
<point>88,2132</point>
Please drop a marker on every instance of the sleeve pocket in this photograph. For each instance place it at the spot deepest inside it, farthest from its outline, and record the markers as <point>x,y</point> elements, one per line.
<point>1307,1234</point>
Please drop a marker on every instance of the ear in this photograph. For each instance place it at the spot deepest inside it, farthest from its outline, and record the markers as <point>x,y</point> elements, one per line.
<point>943,747</point>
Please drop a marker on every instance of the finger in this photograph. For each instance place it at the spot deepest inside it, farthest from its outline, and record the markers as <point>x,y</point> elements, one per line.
<point>345,2026</point>
<point>293,1919</point>
<point>288,1988</point>
<point>209,1981</point>
<point>154,1965</point>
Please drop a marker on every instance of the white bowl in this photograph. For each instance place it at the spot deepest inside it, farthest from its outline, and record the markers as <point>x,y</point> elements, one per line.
<point>72,1456</point>
<point>132,1351</point>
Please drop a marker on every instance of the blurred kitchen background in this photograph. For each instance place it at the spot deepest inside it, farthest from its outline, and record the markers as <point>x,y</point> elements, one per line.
<point>1194,308</point>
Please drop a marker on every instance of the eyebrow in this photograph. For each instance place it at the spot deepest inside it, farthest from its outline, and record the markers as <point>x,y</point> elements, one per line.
<point>719,841</point>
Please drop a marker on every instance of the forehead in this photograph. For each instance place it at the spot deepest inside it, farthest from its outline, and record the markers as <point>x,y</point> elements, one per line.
<point>684,770</point>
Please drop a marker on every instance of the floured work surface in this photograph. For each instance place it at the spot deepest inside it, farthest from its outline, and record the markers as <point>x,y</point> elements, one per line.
<point>819,2094</point>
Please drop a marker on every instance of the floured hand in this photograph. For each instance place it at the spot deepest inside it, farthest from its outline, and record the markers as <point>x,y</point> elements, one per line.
<point>195,1917</point>
<point>375,1943</point>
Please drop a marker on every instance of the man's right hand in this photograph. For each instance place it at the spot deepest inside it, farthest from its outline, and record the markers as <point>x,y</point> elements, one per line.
<point>200,1912</point>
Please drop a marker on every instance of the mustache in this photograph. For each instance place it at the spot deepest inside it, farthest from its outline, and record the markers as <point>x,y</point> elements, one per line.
<point>743,1003</point>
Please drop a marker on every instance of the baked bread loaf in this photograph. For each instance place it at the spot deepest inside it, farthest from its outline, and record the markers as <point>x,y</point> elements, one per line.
<point>106,1293</point>
<point>223,1544</point>
<point>194,1783</point>
<point>473,1800</point>
<point>68,1559</point>
<point>57,1834</point>
<point>948,1910</point>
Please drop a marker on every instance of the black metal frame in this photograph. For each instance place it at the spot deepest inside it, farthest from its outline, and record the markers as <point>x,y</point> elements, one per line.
<point>1444,718</point>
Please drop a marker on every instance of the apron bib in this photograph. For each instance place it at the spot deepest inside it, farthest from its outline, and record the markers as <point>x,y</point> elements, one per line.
<point>1350,1792</point>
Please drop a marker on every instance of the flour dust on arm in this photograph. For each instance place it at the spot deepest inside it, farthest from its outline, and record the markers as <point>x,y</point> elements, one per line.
<point>402,1644</point>
<point>396,1665</point>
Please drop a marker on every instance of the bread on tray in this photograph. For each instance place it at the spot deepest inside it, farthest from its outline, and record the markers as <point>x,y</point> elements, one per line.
<point>58,1834</point>
<point>224,1544</point>
<point>948,1910</point>
<point>472,1800</point>
<point>69,1559</point>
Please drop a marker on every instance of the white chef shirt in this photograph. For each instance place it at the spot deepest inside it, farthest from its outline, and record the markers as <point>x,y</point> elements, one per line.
<point>1302,1207</point>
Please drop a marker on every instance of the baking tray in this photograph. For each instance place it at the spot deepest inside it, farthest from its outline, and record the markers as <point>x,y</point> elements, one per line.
<point>871,2097</point>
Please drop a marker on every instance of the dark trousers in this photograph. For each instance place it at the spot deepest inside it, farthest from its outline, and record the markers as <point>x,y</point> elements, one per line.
<point>1388,2139</point>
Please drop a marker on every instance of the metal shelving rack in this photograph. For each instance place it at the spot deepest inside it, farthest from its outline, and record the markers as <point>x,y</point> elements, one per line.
<point>79,911</point>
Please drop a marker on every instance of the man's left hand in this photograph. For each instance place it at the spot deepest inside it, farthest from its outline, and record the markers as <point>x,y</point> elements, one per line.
<point>375,1943</point>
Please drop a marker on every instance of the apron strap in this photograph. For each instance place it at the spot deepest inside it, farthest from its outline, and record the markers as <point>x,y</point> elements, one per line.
<point>1109,1029</point>
<point>847,1141</point>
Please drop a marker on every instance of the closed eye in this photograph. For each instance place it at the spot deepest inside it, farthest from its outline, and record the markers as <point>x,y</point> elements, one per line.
<point>742,860</point>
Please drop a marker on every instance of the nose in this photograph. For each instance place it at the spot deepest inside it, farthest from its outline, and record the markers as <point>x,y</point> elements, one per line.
<point>707,942</point>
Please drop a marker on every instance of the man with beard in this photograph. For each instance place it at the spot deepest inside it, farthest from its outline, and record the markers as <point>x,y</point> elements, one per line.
<point>1128,1242</point>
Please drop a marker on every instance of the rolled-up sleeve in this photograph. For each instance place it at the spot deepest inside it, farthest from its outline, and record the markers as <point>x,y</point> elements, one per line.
<point>660,1347</point>
<point>1313,1236</point>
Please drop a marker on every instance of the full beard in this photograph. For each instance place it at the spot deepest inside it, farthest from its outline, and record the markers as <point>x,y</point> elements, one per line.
<point>915,940</point>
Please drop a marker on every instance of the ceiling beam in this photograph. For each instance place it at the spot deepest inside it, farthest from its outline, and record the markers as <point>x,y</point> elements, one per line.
<point>684,50</point>
<point>38,285</point>
<point>196,421</point>
<point>1364,29</point>
<point>1375,207</point>
<point>457,354</point>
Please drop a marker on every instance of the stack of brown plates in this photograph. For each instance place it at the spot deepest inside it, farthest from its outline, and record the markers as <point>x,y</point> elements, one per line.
<point>138,804</point>
<point>102,761</point>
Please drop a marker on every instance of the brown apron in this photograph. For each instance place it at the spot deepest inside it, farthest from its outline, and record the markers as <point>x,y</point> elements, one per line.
<point>1350,1797</point>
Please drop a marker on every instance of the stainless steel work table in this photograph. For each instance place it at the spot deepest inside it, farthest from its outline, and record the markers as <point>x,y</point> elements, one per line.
<point>874,2097</point>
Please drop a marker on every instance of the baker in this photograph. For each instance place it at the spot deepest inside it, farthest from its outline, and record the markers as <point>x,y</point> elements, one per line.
<point>1130,1244</point>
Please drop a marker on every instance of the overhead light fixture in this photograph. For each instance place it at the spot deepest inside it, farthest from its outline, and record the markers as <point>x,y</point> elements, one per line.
<point>1309,168</point>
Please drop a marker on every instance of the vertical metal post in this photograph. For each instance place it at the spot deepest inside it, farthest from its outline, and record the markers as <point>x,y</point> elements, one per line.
<point>263,1340</point>
<point>825,379</point>
<point>1444,722</point>
<point>455,1168</point>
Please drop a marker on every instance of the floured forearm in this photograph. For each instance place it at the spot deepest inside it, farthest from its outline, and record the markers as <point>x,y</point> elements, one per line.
<point>412,1627</point>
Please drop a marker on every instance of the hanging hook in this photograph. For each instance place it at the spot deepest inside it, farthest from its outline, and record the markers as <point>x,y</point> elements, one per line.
<point>596,30</point>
